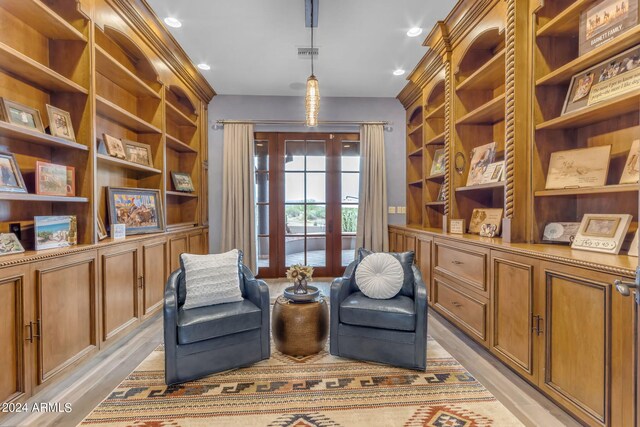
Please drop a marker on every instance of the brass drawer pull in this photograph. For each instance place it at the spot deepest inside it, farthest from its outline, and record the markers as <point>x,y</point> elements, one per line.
<point>456,262</point>
<point>30,336</point>
<point>456,304</point>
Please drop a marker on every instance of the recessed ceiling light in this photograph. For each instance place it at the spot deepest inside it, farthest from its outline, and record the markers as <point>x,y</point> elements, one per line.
<point>172,22</point>
<point>398,72</point>
<point>204,66</point>
<point>414,32</point>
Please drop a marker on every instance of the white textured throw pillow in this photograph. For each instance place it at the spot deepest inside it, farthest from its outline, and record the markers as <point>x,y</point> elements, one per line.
<point>380,276</point>
<point>211,279</point>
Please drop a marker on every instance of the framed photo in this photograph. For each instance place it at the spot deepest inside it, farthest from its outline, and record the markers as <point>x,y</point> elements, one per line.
<point>437,167</point>
<point>440,194</point>
<point>139,209</point>
<point>114,146</point>
<point>182,182</point>
<point>481,158</point>
<point>118,231</point>
<point>633,249</point>
<point>479,217</point>
<point>604,21</point>
<point>602,233</point>
<point>10,177</point>
<point>560,232</point>
<point>102,231</point>
<point>55,231</point>
<point>611,78</point>
<point>21,115</point>
<point>583,167</point>
<point>631,171</point>
<point>137,152</point>
<point>60,123</point>
<point>9,244</point>
<point>493,173</point>
<point>55,180</point>
<point>456,226</point>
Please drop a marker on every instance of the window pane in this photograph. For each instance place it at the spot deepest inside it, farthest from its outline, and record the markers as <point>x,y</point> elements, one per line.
<point>317,251</point>
<point>294,155</point>
<point>316,219</point>
<point>262,187</point>
<point>294,250</point>
<point>262,219</point>
<point>349,218</point>
<point>316,156</point>
<point>350,187</point>
<point>348,249</point>
<point>294,219</point>
<point>263,251</point>
<point>262,155</point>
<point>351,156</point>
<point>316,187</point>
<point>294,187</point>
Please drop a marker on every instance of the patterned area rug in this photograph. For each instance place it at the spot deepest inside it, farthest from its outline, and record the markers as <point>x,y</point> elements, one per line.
<point>315,391</point>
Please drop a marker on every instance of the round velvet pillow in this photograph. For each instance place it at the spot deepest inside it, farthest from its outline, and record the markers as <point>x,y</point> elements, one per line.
<point>379,276</point>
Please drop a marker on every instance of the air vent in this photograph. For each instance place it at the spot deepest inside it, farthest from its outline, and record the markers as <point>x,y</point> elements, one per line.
<point>307,52</point>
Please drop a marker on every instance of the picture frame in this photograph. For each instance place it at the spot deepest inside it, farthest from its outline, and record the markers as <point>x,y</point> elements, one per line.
<point>114,146</point>
<point>9,244</point>
<point>118,231</point>
<point>100,228</point>
<point>55,231</point>
<point>457,226</point>
<point>602,233</point>
<point>438,165</point>
<point>605,20</point>
<point>631,171</point>
<point>60,124</point>
<point>55,180</point>
<point>481,158</point>
<point>11,180</point>
<point>560,232</point>
<point>494,173</point>
<point>137,152</point>
<point>21,115</point>
<point>481,216</point>
<point>182,182</point>
<point>578,168</point>
<point>140,209</point>
<point>441,194</point>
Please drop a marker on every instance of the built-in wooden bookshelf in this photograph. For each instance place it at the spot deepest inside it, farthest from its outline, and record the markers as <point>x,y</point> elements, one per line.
<point>415,154</point>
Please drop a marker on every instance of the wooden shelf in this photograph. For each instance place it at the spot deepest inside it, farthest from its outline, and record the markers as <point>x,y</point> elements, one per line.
<point>437,113</point>
<point>41,198</point>
<point>34,72</point>
<point>489,76</point>
<point>482,187</point>
<point>416,153</point>
<point>564,73</point>
<point>177,145</point>
<point>103,158</point>
<point>417,183</point>
<point>177,225</point>
<point>489,113</point>
<point>566,22</point>
<point>415,130</point>
<point>9,130</point>
<point>178,116</point>
<point>606,189</point>
<point>113,70</point>
<point>40,17</point>
<point>182,194</point>
<point>623,104</point>
<point>433,204</point>
<point>435,177</point>
<point>113,112</point>
<point>436,140</point>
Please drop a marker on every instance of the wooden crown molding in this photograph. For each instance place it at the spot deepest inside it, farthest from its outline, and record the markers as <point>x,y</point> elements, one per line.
<point>464,17</point>
<point>409,95</point>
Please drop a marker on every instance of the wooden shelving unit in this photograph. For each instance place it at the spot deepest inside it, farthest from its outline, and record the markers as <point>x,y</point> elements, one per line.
<point>8,130</point>
<point>40,198</point>
<point>105,159</point>
<point>415,154</point>
<point>607,189</point>
<point>119,115</point>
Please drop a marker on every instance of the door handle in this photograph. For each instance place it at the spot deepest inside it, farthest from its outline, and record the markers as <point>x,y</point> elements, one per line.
<point>140,281</point>
<point>536,321</point>
<point>30,336</point>
<point>39,332</point>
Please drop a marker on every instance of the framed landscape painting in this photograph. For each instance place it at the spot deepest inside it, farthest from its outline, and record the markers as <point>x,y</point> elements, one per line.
<point>139,209</point>
<point>182,182</point>
<point>55,231</point>
<point>10,177</point>
<point>55,180</point>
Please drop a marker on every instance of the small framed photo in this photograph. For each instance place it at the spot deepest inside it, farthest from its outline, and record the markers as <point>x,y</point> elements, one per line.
<point>481,158</point>
<point>140,209</point>
<point>605,20</point>
<point>440,194</point>
<point>182,182</point>
<point>579,168</point>
<point>55,180</point>
<point>9,244</point>
<point>114,146</point>
<point>560,232</point>
<point>480,217</point>
<point>102,231</point>
<point>439,158</point>
<point>10,177</point>
<point>456,226</point>
<point>55,231</point>
<point>21,115</point>
<point>60,123</point>
<point>602,232</point>
<point>631,171</point>
<point>137,152</point>
<point>118,231</point>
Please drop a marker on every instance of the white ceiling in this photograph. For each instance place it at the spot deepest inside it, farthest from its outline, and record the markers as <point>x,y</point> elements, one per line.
<point>251,45</point>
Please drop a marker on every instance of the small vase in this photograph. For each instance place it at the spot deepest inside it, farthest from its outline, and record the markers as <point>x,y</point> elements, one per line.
<point>300,286</point>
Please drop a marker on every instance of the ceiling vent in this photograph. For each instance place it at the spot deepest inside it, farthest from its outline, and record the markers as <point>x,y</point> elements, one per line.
<point>307,52</point>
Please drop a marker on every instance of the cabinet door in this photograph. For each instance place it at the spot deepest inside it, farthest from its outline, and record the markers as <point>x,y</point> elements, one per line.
<point>178,244</point>
<point>155,272</point>
<point>424,263</point>
<point>410,244</point>
<point>392,240</point>
<point>196,243</point>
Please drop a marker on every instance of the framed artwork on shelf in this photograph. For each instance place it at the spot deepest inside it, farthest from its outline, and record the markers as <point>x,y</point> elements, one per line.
<point>631,171</point>
<point>456,226</point>
<point>21,115</point>
<point>137,152</point>
<point>440,194</point>
<point>60,123</point>
<point>490,216</point>
<point>114,146</point>
<point>139,209</point>
<point>182,182</point>
<point>611,78</point>
<point>604,21</point>
<point>10,177</point>
<point>102,231</point>
<point>494,173</point>
<point>55,231</point>
<point>55,180</point>
<point>560,232</point>
<point>481,158</point>
<point>579,168</point>
<point>602,232</point>
<point>118,231</point>
<point>9,244</point>
<point>437,167</point>
<point>633,249</point>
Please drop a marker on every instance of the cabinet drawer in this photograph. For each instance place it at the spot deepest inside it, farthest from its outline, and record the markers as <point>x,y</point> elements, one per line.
<point>470,313</point>
<point>464,263</point>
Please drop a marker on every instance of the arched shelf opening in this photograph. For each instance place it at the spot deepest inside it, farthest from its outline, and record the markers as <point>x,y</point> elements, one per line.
<point>176,95</point>
<point>436,97</point>
<point>415,118</point>
<point>483,48</point>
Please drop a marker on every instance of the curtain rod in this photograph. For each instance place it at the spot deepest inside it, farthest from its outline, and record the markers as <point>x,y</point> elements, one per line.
<point>302,122</point>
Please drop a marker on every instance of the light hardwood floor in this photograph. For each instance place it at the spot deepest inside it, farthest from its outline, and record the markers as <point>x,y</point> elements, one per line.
<point>91,383</point>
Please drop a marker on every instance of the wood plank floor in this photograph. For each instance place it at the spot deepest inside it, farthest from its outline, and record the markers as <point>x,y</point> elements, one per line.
<point>92,382</point>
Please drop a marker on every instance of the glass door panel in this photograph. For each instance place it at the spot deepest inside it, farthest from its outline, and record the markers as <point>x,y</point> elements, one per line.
<point>349,197</point>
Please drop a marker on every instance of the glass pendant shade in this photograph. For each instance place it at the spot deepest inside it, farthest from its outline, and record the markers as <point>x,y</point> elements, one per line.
<point>312,101</point>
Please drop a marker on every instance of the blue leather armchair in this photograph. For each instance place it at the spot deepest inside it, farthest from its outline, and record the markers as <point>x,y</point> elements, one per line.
<point>205,340</point>
<point>392,331</point>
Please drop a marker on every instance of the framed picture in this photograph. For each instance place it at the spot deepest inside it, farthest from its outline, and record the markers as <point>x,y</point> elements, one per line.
<point>21,115</point>
<point>102,231</point>
<point>60,123</point>
<point>602,232</point>
<point>481,158</point>
<point>55,231</point>
<point>604,21</point>
<point>137,152</point>
<point>139,209</point>
<point>479,217</point>
<point>55,180</point>
<point>582,167</point>
<point>437,167</point>
<point>9,244</point>
<point>493,173</point>
<point>560,232</point>
<point>10,177</point>
<point>633,249</point>
<point>611,78</point>
<point>114,146</point>
<point>440,194</point>
<point>456,226</point>
<point>182,182</point>
<point>631,171</point>
<point>118,231</point>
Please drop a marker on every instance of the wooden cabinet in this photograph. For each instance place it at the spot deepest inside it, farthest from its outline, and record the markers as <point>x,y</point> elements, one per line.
<point>463,308</point>
<point>464,263</point>
<point>197,244</point>
<point>155,272</point>
<point>423,262</point>
<point>178,245</point>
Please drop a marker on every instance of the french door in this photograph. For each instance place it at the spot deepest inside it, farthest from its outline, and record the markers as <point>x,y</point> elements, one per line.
<point>307,201</point>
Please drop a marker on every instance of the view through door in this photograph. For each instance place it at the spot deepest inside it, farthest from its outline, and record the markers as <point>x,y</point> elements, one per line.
<point>307,201</point>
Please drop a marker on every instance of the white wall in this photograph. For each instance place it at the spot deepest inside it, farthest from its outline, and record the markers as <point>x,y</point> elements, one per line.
<point>234,107</point>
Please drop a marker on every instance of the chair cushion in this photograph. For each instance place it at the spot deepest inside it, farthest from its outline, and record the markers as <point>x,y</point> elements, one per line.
<point>397,313</point>
<point>406,260</point>
<point>203,323</point>
<point>380,276</point>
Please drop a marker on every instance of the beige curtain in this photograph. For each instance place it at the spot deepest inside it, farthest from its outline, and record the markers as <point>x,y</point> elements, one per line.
<point>372,210</point>
<point>238,208</point>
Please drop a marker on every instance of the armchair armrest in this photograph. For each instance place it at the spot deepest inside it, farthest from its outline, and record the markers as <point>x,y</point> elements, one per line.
<point>170,313</point>
<point>257,291</point>
<point>420,306</point>
<point>340,289</point>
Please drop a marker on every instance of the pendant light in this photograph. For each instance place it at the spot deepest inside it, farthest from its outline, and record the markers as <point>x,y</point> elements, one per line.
<point>312,99</point>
